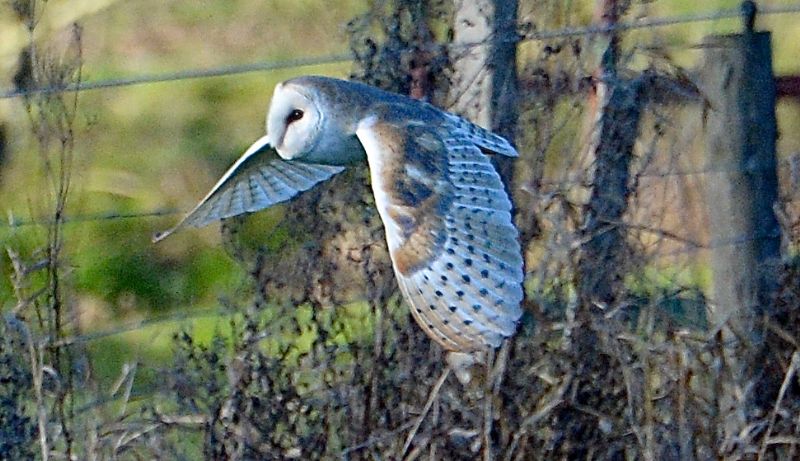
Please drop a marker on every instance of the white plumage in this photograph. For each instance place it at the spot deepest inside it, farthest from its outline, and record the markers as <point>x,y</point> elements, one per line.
<point>447,216</point>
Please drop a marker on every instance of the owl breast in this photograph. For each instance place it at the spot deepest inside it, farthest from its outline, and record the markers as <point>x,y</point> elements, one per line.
<point>335,149</point>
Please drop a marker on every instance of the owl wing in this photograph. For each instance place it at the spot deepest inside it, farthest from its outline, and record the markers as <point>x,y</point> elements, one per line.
<point>259,179</point>
<point>484,139</point>
<point>448,227</point>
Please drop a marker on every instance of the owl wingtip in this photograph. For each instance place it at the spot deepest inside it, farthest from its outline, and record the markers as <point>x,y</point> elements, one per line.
<point>161,235</point>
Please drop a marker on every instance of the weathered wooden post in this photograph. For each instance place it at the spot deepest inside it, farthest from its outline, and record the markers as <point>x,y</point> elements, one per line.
<point>619,106</point>
<point>484,88</point>
<point>742,189</point>
<point>601,268</point>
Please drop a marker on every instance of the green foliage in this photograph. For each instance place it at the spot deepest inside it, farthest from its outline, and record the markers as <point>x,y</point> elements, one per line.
<point>122,267</point>
<point>22,241</point>
<point>200,376</point>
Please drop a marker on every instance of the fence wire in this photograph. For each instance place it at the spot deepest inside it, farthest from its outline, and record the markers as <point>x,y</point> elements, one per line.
<point>561,183</point>
<point>263,66</point>
<point>274,65</point>
<point>92,217</point>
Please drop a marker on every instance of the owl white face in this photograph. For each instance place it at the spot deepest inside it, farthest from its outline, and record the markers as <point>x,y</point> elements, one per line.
<point>294,122</point>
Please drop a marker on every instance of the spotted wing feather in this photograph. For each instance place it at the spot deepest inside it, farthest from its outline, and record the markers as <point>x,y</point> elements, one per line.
<point>481,137</point>
<point>258,180</point>
<point>449,231</point>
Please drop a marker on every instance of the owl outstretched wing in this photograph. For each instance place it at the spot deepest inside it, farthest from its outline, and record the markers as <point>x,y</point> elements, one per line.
<point>448,226</point>
<point>484,139</point>
<point>259,179</point>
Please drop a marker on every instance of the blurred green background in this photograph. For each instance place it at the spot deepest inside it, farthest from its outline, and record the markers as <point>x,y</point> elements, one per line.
<point>160,146</point>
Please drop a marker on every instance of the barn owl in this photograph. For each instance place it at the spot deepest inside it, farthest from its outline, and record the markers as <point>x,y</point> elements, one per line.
<point>446,214</point>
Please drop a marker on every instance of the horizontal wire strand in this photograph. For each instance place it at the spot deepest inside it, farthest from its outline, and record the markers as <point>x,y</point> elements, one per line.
<point>182,75</point>
<point>567,182</point>
<point>100,216</point>
<point>337,58</point>
<point>344,57</point>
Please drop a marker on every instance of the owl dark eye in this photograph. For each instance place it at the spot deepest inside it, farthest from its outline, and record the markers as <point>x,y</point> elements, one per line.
<point>294,116</point>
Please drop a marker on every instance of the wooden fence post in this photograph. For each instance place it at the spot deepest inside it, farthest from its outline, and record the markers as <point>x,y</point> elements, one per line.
<point>619,104</point>
<point>484,88</point>
<point>741,192</point>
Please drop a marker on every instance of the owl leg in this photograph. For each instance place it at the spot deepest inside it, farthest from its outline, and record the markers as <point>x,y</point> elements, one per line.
<point>461,363</point>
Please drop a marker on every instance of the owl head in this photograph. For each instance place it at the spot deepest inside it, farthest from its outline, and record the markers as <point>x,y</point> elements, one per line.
<point>294,120</point>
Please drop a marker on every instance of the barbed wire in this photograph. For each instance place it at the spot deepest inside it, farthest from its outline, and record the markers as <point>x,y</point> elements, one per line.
<point>581,179</point>
<point>657,22</point>
<point>158,320</point>
<point>100,216</point>
<point>182,75</point>
<point>565,182</point>
<point>262,66</point>
<point>337,58</point>
<point>689,247</point>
